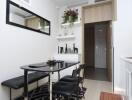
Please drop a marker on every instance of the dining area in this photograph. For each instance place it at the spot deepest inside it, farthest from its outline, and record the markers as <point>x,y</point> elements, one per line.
<point>66,87</point>
<point>42,51</point>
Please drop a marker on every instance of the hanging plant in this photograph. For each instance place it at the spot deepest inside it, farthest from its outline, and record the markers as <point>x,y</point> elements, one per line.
<point>70,16</point>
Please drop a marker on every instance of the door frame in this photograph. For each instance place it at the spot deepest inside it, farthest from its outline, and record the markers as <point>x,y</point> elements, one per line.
<point>82,44</point>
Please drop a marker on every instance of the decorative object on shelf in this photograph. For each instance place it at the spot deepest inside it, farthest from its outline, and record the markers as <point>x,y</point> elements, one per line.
<point>70,16</point>
<point>59,35</point>
<point>70,50</point>
<point>65,30</point>
<point>71,30</point>
<point>65,34</point>
<point>75,49</point>
<point>58,49</point>
<point>66,49</point>
<point>61,50</point>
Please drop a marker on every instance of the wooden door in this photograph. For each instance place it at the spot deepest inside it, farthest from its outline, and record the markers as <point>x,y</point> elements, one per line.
<point>109,52</point>
<point>89,45</point>
<point>100,44</point>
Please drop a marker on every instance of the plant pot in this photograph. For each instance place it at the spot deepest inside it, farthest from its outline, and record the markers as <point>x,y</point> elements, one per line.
<point>70,19</point>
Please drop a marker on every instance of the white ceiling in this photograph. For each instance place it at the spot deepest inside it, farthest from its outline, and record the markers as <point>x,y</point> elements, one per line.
<point>70,2</point>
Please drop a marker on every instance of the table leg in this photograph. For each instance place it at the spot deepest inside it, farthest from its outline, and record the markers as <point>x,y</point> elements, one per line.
<point>25,85</point>
<point>50,86</point>
<point>58,75</point>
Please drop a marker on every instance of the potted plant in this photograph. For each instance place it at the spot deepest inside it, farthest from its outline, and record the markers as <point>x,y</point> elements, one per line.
<point>70,16</point>
<point>51,62</point>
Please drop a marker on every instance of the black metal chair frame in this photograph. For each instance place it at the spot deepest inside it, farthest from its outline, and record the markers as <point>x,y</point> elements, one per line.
<point>76,73</point>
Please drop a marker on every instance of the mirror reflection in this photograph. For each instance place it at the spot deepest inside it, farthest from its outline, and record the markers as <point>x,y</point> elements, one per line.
<point>22,17</point>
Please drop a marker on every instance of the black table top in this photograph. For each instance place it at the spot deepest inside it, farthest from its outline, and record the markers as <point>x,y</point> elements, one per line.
<point>43,67</point>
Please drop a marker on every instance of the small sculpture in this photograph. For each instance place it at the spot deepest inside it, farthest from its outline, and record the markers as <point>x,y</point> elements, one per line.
<point>61,50</point>
<point>75,49</point>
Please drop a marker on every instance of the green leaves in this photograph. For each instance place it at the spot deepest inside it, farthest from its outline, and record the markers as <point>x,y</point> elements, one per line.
<point>70,16</point>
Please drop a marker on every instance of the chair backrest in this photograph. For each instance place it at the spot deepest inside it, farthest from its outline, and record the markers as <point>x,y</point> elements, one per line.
<point>74,73</point>
<point>83,66</point>
<point>77,71</point>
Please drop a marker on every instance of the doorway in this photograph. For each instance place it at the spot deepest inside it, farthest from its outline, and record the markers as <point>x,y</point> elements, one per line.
<point>98,51</point>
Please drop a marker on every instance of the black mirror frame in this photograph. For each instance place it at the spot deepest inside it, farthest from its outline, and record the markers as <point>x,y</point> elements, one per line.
<point>21,26</point>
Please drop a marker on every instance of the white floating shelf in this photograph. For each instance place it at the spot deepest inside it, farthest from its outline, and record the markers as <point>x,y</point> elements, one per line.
<point>67,24</point>
<point>65,37</point>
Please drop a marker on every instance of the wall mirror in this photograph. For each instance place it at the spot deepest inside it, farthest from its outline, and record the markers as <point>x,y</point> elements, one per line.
<point>21,17</point>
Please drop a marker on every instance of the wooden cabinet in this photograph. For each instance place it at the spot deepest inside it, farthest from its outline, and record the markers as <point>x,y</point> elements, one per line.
<point>97,13</point>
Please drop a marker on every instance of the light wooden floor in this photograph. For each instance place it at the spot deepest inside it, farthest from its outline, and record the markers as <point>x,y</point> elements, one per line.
<point>95,87</point>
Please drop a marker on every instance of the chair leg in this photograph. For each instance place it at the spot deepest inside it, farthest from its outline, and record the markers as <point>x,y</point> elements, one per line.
<point>37,84</point>
<point>10,94</point>
<point>58,75</point>
<point>49,83</point>
<point>57,97</point>
<point>68,98</point>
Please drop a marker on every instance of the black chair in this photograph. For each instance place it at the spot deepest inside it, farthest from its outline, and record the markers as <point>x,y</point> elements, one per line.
<point>73,78</point>
<point>69,88</point>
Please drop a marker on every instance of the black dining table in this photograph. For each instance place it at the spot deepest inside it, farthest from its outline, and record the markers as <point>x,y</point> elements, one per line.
<point>44,67</point>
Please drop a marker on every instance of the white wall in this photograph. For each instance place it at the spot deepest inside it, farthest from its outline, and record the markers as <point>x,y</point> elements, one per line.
<point>20,46</point>
<point>122,37</point>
